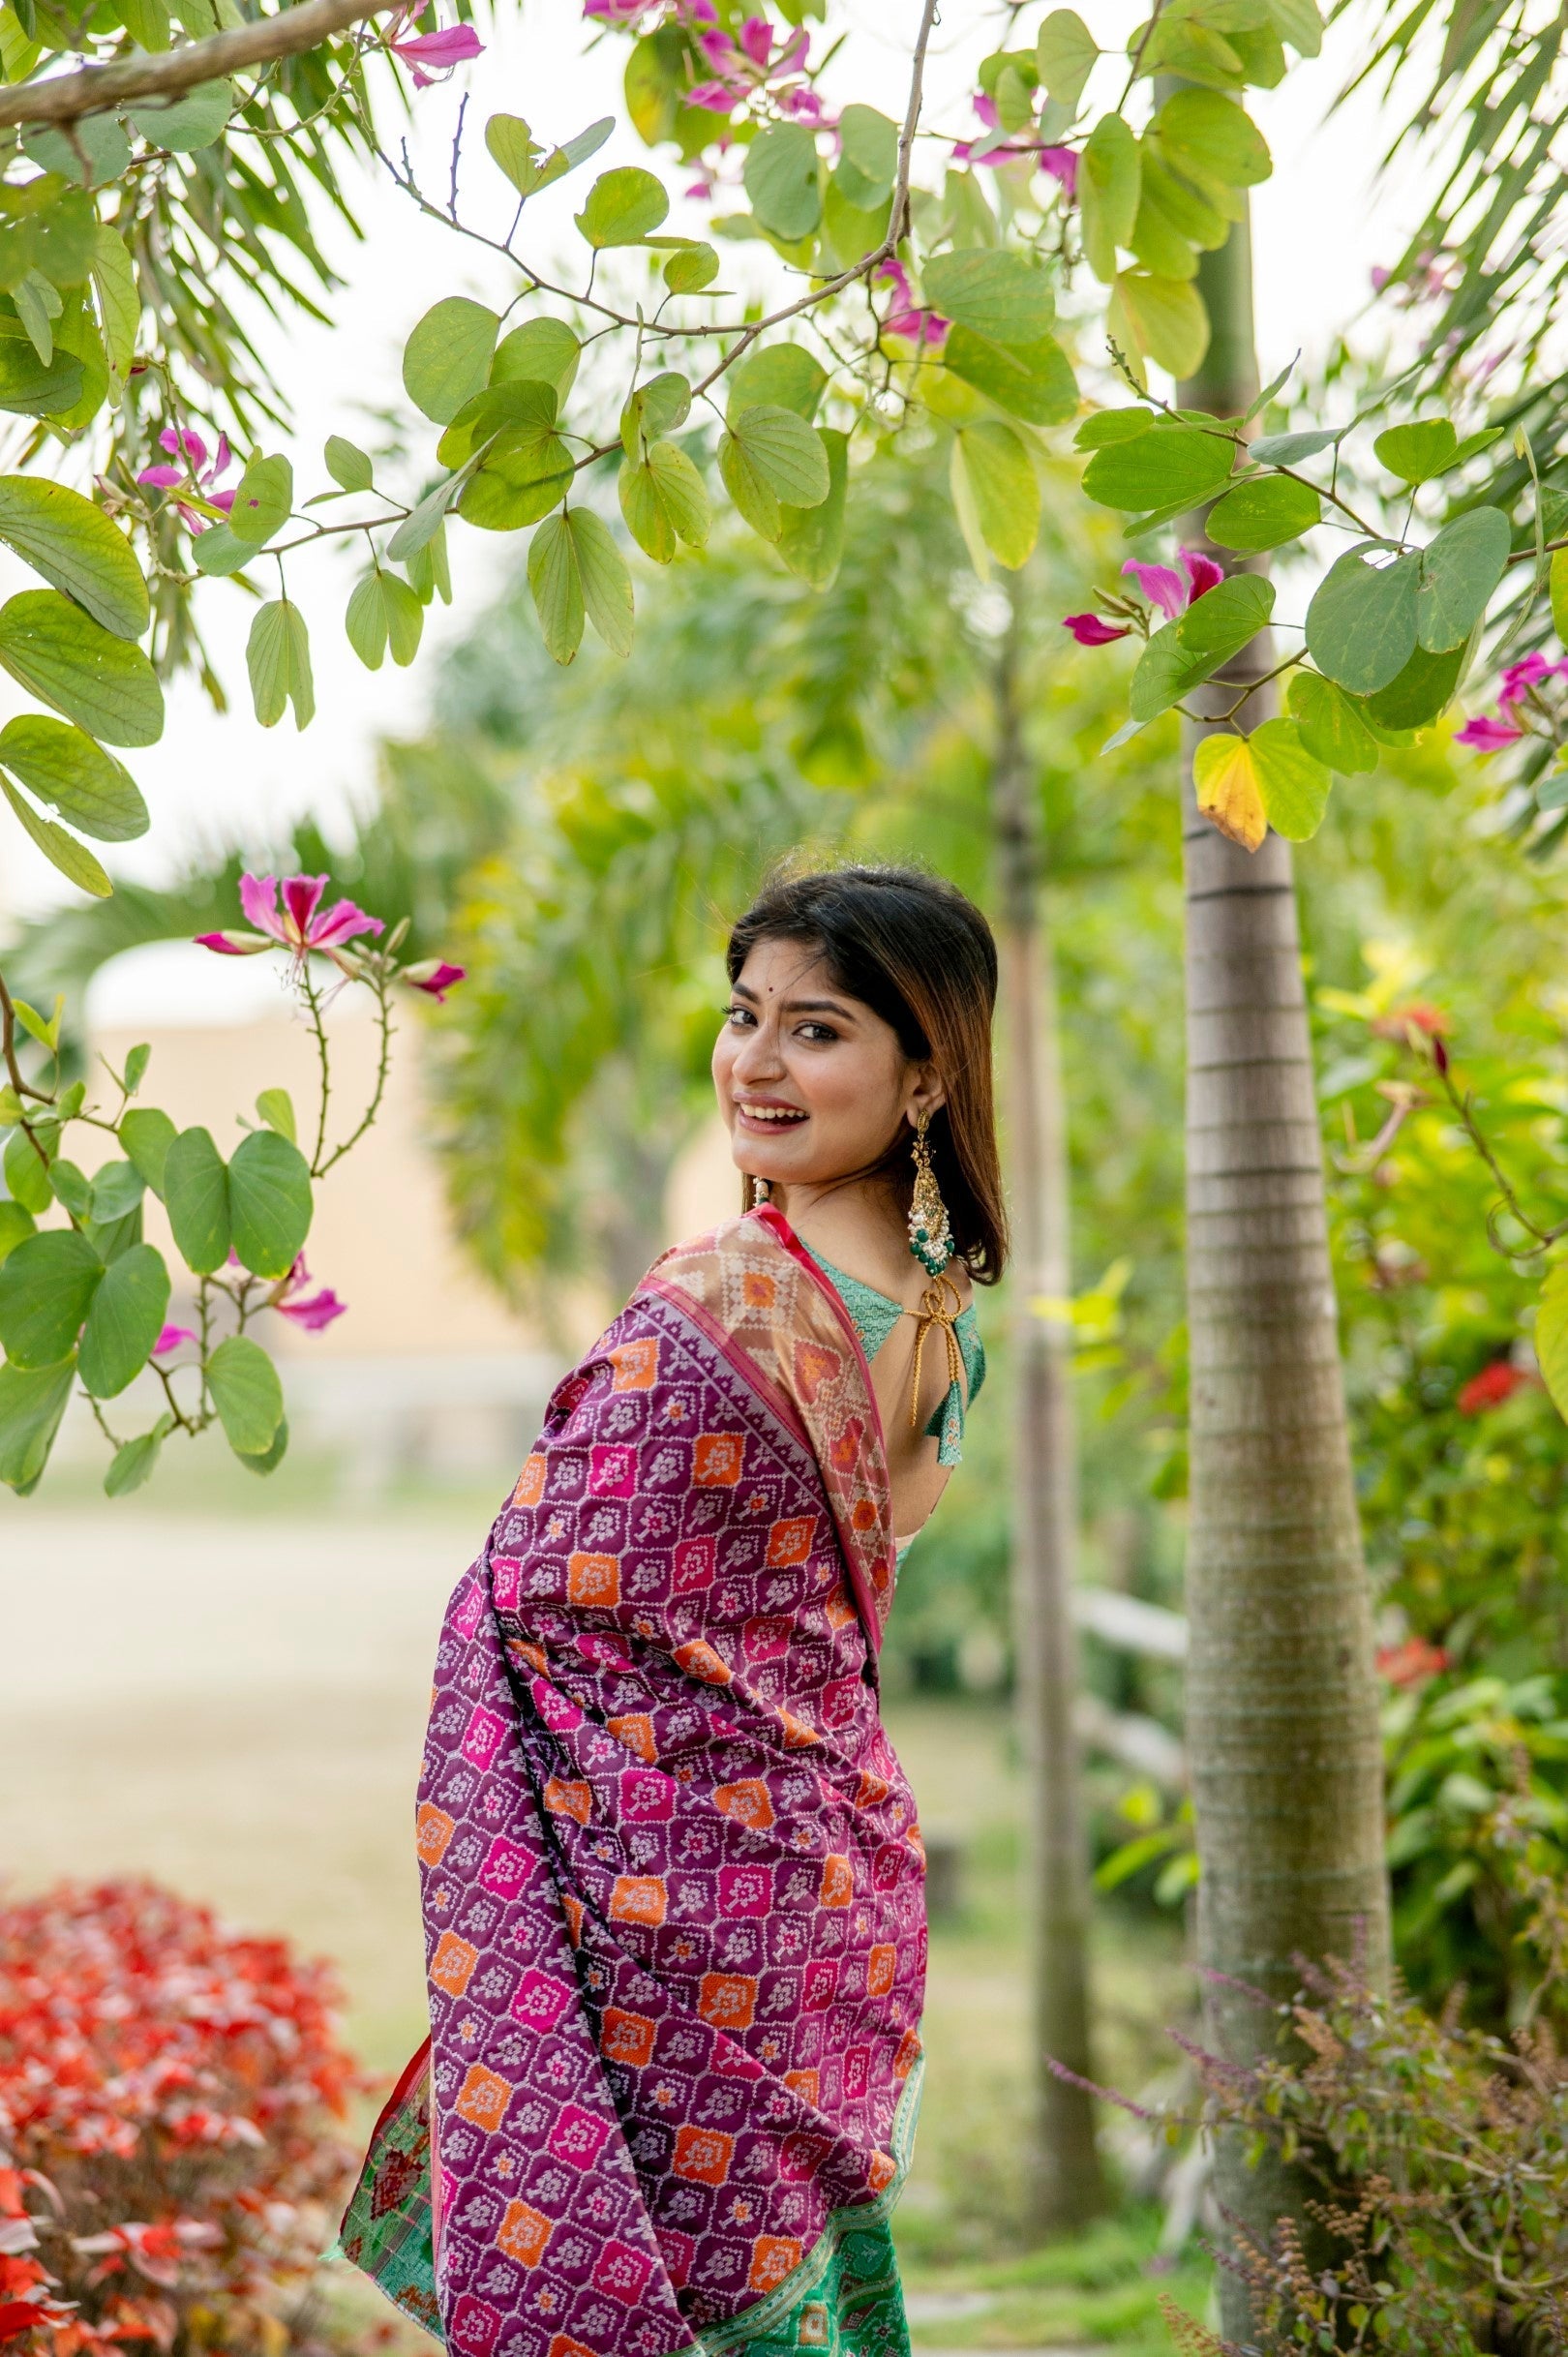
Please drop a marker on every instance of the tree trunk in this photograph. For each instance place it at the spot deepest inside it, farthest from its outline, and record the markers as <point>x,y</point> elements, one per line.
<point>1282,1706</point>
<point>1067,2185</point>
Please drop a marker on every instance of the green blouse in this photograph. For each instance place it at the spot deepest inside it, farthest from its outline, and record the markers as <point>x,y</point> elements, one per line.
<point>875,1314</point>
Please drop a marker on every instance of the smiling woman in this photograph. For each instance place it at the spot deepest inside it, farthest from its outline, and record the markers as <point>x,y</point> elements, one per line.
<point>672,1880</point>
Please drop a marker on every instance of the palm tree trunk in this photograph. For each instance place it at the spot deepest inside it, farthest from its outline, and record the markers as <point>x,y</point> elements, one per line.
<point>1067,2183</point>
<point>1282,1706</point>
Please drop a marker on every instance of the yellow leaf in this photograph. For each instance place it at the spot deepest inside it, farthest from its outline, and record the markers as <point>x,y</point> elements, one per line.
<point>1224,775</point>
<point>1552,1336</point>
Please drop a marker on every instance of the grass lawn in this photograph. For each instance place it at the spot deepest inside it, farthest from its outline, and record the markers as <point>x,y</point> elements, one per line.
<point>233,1703</point>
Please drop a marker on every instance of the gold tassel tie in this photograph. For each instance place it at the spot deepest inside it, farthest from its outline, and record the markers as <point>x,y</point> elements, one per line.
<point>934,1312</point>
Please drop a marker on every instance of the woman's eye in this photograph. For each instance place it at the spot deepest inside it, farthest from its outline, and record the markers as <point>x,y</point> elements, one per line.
<point>818,1033</point>
<point>735,1016</point>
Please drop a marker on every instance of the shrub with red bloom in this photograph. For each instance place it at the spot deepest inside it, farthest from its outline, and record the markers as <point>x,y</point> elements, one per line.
<point>169,2089</point>
<point>1413,1662</point>
<point>1490,1387</point>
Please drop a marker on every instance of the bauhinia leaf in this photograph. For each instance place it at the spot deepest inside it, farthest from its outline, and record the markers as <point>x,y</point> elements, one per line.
<point>1224,779</point>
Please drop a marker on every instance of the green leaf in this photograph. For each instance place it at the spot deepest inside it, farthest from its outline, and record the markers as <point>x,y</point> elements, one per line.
<point>1187,652</point>
<point>1293,783</point>
<point>27,1178</point>
<point>71,1187</point>
<point>132,1464</point>
<point>1160,468</point>
<point>782,376</point>
<point>623,207</point>
<point>1290,449</point>
<point>381,608</point>
<point>1211,140</point>
<point>263,501</point>
<point>1552,1336</point>
<point>26,385</point>
<point>558,588</point>
<point>811,539</point>
<point>1361,626</point>
<point>420,527</point>
<point>277,1109</point>
<point>1419,692</point>
<point>47,1033</point>
<point>1065,53</point>
<point>664,500</point>
<point>191,121</point>
<point>525,405</point>
<point>67,659</point>
<point>541,351</point>
<point>63,766</point>
<point>46,1287</point>
<point>868,157</point>
<point>1298,21</point>
<point>691,268</point>
<point>278,656</point>
<point>1557,587</point>
<point>1003,488</point>
<point>125,1320</point>
<point>117,1188</point>
<point>781,450</point>
<point>1002,294</point>
<point>515,149</point>
<point>49,226</point>
<point>1103,426</point>
<point>60,849</point>
<point>1265,511</point>
<point>16,1221</point>
<point>269,1202</point>
<point>146,1132</point>
<point>607,585</point>
<point>446,359</point>
<point>1418,451</point>
<point>31,1405</point>
<point>119,305</point>
<point>37,307</point>
<point>267,1460</point>
<point>196,1195</point>
<point>136,1066</point>
<point>1034,382</point>
<point>347,465</point>
<point>1169,319</point>
<point>783,179</point>
<point>1109,185</point>
<point>1331,729</point>
<point>653,410</point>
<point>217,551</point>
<point>95,151</point>
<point>247,1394</point>
<point>575,150</point>
<point>1459,569</point>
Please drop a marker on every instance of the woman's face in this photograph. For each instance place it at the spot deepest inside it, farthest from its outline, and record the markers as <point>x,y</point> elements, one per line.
<point>813,1085</point>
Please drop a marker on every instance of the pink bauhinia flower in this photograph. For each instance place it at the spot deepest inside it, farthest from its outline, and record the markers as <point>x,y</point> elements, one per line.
<point>310,1314</point>
<point>292,914</point>
<point>1487,735</point>
<point>170,1338</point>
<point>1527,672</point>
<point>1173,592</point>
<point>430,54</point>
<point>757,40</point>
<point>1062,163</point>
<point>719,98</point>
<point>1090,631</point>
<point>196,474</point>
<point>435,976</point>
<point>905,317</point>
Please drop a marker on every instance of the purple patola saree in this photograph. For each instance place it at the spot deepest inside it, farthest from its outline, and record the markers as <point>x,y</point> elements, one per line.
<point>672,1880</point>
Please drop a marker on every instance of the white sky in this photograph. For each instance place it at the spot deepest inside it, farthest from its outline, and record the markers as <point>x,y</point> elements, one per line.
<point>1318,229</point>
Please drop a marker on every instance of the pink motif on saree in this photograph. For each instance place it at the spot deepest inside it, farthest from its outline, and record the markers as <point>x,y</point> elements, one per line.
<point>672,1880</point>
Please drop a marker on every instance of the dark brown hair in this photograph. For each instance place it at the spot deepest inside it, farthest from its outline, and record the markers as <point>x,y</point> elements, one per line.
<point>915,951</point>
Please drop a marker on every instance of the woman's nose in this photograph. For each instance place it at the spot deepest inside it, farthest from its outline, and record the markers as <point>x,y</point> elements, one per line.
<point>757,1058</point>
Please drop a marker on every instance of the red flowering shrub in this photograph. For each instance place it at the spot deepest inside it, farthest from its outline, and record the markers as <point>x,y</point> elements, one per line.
<point>167,2160</point>
<point>1490,1387</point>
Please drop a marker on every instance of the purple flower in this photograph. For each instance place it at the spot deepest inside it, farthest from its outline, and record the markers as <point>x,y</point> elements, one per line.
<point>439,52</point>
<point>312,1315</point>
<point>300,922</point>
<point>170,1338</point>
<point>195,473</point>
<point>1527,672</point>
<point>1174,592</point>
<point>435,976</point>
<point>1090,631</point>
<point>717,96</point>
<point>1487,735</point>
<point>985,108</point>
<point>905,317</point>
<point>757,40</point>
<point>1062,163</point>
<point>802,104</point>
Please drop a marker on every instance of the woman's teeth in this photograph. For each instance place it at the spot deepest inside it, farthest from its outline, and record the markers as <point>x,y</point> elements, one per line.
<point>784,1114</point>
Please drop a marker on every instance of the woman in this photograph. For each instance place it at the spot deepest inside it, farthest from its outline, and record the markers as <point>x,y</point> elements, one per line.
<point>671,1874</point>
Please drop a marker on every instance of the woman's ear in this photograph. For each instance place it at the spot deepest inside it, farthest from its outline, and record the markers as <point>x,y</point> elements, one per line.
<point>927,1093</point>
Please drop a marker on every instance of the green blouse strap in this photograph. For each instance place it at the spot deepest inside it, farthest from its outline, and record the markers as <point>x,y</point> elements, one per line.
<point>874,1315</point>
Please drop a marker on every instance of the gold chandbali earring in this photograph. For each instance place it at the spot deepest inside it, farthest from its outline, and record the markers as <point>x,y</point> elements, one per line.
<point>931,1240</point>
<point>930,1231</point>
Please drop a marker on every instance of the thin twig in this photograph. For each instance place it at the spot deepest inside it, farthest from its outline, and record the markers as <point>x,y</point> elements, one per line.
<point>383,1000</point>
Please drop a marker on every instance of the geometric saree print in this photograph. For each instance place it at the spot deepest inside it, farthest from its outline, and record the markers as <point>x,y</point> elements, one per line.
<point>673,1882</point>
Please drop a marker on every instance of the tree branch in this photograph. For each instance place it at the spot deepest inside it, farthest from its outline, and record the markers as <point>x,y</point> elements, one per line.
<point>64,98</point>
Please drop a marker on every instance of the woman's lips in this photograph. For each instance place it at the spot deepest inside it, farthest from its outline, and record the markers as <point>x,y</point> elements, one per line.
<point>760,1119</point>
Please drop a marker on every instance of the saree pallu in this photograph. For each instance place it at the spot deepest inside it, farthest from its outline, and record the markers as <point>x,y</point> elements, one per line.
<point>673,1882</point>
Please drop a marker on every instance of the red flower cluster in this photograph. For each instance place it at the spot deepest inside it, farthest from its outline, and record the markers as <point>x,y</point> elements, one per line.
<point>1413,1662</point>
<point>1490,1387</point>
<point>166,2154</point>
